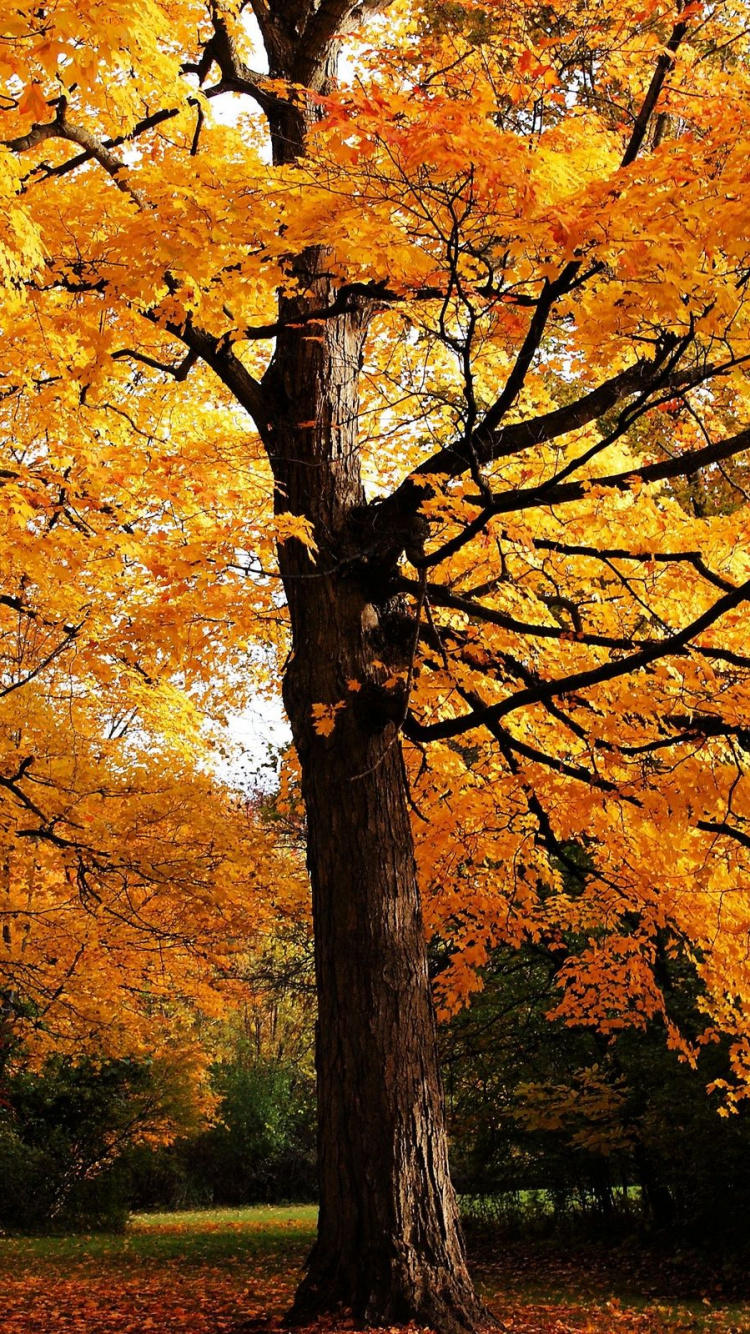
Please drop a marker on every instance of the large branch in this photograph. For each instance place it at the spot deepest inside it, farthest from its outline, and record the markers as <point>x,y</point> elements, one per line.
<point>236,76</point>
<point>549,495</point>
<point>510,742</point>
<point>178,373</point>
<point>687,729</point>
<point>693,558</point>
<point>440,596</point>
<point>682,465</point>
<point>62,128</point>
<point>322,28</point>
<point>451,460</point>
<point>663,66</point>
<point>391,515</point>
<point>142,126</point>
<point>578,681</point>
<point>482,444</point>
<point>729,831</point>
<point>219,356</point>
<point>640,378</point>
<point>486,443</point>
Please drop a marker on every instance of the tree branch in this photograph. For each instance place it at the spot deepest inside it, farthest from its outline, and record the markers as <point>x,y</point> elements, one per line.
<point>217,354</point>
<point>514,439</point>
<point>578,681</point>
<point>683,465</point>
<point>179,372</point>
<point>694,558</point>
<point>663,65</point>
<point>729,831</point>
<point>443,597</point>
<point>61,128</point>
<point>236,76</point>
<point>548,494</point>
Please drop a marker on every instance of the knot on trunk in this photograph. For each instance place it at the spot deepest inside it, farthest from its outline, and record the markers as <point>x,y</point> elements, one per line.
<point>375,706</point>
<point>376,537</point>
<point>390,628</point>
<point>393,635</point>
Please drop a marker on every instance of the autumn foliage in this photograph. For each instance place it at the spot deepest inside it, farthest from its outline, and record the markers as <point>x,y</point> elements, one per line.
<point>505,254</point>
<point>594,265</point>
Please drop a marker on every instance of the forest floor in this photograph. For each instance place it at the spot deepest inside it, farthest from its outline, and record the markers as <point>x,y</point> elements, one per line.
<point>234,1271</point>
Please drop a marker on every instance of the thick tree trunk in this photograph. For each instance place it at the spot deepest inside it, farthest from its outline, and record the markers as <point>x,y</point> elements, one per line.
<point>389,1246</point>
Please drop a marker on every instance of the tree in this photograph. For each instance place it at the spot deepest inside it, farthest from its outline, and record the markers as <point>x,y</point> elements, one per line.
<point>498,274</point>
<point>133,881</point>
<point>575,1117</point>
<point>68,1130</point>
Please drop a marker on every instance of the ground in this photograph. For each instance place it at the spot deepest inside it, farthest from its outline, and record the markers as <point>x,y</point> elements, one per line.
<point>234,1271</point>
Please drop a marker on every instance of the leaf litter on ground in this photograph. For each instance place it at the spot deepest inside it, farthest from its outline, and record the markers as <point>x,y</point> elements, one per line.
<point>234,1272</point>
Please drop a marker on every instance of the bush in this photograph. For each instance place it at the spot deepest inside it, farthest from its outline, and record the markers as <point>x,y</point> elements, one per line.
<point>65,1135</point>
<point>261,1148</point>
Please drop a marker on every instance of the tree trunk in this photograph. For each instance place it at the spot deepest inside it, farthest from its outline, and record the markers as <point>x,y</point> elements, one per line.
<point>389,1245</point>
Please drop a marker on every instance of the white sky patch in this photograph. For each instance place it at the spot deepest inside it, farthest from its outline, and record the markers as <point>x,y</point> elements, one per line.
<point>254,742</point>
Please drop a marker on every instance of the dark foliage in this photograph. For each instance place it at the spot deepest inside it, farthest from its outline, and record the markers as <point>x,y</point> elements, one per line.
<point>558,1127</point>
<point>64,1136</point>
<point>76,1150</point>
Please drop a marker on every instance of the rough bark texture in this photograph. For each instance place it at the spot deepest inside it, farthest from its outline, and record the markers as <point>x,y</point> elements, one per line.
<point>389,1245</point>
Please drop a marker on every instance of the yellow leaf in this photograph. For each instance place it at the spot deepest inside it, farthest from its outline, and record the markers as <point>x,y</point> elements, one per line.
<point>33,103</point>
<point>324,717</point>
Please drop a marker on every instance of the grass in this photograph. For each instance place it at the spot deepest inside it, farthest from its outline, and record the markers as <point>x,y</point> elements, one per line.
<point>268,1217</point>
<point>220,1271</point>
<point>190,1237</point>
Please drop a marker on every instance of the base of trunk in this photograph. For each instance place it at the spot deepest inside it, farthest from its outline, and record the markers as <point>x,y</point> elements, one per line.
<point>398,1290</point>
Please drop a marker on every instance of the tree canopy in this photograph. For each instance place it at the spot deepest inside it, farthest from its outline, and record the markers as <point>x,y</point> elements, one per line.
<point>449,339</point>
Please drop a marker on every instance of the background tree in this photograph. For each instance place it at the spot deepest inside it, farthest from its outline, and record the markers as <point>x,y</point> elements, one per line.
<point>132,879</point>
<point>69,1130</point>
<point>559,1132</point>
<point>226,1117</point>
<point>461,281</point>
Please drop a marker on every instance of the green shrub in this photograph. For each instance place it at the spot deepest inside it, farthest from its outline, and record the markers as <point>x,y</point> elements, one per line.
<point>261,1148</point>
<point>66,1135</point>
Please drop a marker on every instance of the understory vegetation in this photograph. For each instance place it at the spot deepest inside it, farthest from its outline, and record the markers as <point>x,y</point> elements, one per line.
<point>556,1132</point>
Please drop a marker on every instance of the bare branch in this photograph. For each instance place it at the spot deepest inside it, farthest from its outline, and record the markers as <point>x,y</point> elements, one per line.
<point>443,597</point>
<point>217,353</point>
<point>179,372</point>
<point>729,831</point>
<point>663,66</point>
<point>236,76</point>
<point>693,558</point>
<point>683,465</point>
<point>640,378</point>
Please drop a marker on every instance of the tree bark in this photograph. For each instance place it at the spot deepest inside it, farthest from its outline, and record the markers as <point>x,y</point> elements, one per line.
<point>389,1245</point>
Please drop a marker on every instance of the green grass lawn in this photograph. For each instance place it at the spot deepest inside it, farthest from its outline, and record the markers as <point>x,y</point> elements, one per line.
<point>196,1236</point>
<point>222,1271</point>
